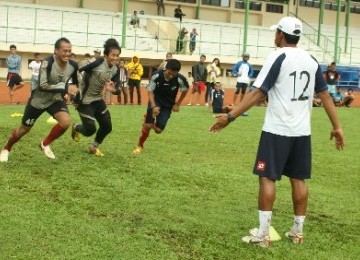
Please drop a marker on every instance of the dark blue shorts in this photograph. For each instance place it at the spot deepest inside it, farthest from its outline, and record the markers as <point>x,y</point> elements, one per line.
<point>161,119</point>
<point>242,87</point>
<point>281,155</point>
<point>13,79</point>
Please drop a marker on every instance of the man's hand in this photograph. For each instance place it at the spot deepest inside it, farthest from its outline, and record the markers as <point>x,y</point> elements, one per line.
<point>338,134</point>
<point>155,111</point>
<point>223,121</point>
<point>72,90</point>
<point>110,86</point>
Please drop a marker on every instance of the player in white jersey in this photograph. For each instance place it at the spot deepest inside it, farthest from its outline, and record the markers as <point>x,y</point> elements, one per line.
<point>289,77</point>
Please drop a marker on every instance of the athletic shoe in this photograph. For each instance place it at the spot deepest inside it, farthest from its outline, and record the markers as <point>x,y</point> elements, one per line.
<point>253,239</point>
<point>74,134</point>
<point>47,151</point>
<point>206,104</point>
<point>245,114</point>
<point>296,238</point>
<point>138,150</point>
<point>96,151</point>
<point>189,104</point>
<point>4,155</point>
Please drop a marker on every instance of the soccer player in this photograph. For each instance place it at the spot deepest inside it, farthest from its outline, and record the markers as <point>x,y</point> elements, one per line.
<point>14,80</point>
<point>55,73</point>
<point>289,77</point>
<point>162,91</point>
<point>100,74</point>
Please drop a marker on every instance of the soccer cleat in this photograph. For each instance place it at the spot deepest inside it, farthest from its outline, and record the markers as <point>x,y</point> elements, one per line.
<point>138,150</point>
<point>253,239</point>
<point>245,114</point>
<point>296,238</point>
<point>96,151</point>
<point>4,155</point>
<point>47,151</point>
<point>189,104</point>
<point>74,134</point>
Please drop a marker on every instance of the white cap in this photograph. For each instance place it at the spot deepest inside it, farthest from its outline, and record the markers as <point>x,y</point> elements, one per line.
<point>289,25</point>
<point>97,51</point>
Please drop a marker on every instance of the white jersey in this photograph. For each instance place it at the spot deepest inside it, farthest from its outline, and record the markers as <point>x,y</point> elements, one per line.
<point>243,73</point>
<point>289,77</point>
<point>35,68</point>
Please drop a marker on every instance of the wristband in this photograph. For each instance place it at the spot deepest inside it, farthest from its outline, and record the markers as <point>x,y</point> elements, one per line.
<point>231,117</point>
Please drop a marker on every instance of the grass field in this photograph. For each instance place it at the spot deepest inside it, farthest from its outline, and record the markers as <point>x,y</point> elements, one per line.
<point>190,195</point>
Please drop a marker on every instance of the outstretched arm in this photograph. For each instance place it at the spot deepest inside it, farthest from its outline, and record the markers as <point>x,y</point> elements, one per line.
<point>249,101</point>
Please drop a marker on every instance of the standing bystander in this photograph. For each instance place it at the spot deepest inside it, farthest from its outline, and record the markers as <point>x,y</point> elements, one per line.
<point>285,147</point>
<point>14,79</point>
<point>35,68</point>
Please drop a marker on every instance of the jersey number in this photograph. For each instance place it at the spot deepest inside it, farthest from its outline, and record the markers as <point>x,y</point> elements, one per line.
<point>302,96</point>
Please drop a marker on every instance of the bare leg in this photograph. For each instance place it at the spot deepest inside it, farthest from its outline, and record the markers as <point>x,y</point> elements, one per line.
<point>299,196</point>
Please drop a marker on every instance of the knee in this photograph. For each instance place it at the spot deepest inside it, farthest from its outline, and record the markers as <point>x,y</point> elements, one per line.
<point>89,130</point>
<point>65,123</point>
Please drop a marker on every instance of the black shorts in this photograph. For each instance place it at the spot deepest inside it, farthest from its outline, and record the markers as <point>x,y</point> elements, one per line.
<point>161,120</point>
<point>281,155</point>
<point>242,87</point>
<point>13,79</point>
<point>134,83</point>
<point>94,110</point>
<point>31,113</point>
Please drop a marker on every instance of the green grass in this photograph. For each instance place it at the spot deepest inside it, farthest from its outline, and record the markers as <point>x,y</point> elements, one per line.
<point>190,195</point>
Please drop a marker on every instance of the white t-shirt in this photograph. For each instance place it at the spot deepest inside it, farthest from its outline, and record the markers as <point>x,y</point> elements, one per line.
<point>35,68</point>
<point>243,73</point>
<point>289,77</point>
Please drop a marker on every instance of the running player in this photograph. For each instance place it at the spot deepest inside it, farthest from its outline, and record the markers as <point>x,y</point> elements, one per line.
<point>55,73</point>
<point>101,74</point>
<point>162,90</point>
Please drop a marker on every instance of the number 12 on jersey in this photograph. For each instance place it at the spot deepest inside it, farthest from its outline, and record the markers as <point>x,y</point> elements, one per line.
<point>302,96</point>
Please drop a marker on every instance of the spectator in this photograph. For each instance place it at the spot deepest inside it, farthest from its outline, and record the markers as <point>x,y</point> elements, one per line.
<point>217,98</point>
<point>244,71</point>
<point>123,74</point>
<point>135,71</point>
<point>331,77</point>
<point>97,53</point>
<point>349,97</point>
<point>134,20</point>
<point>14,79</point>
<point>35,68</point>
<point>85,61</point>
<point>178,13</point>
<point>160,5</point>
<point>199,73</point>
<point>213,72</point>
<point>163,64</point>
<point>192,42</point>
<point>338,97</point>
<point>180,40</point>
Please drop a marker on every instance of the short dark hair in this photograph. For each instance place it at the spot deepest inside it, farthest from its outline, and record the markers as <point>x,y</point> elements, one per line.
<point>87,55</point>
<point>59,41</point>
<point>173,64</point>
<point>203,55</point>
<point>12,46</point>
<point>333,63</point>
<point>36,54</point>
<point>291,39</point>
<point>111,44</point>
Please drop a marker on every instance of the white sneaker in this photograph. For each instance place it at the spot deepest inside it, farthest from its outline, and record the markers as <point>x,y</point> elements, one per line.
<point>253,239</point>
<point>4,155</point>
<point>296,238</point>
<point>206,104</point>
<point>47,151</point>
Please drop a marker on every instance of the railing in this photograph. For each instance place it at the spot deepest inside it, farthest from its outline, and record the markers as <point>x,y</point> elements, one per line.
<point>43,25</point>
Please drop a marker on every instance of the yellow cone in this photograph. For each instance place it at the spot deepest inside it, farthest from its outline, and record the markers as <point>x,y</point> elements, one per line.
<point>51,121</point>
<point>274,235</point>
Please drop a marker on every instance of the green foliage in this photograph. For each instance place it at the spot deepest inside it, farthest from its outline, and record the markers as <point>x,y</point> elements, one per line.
<point>190,195</point>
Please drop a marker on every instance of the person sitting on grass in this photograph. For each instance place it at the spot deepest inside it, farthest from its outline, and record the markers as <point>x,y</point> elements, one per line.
<point>349,97</point>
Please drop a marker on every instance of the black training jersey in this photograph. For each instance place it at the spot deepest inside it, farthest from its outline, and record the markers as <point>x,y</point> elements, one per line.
<point>217,97</point>
<point>165,91</point>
